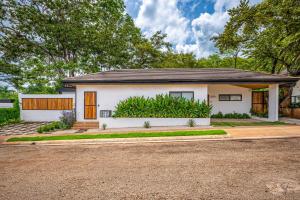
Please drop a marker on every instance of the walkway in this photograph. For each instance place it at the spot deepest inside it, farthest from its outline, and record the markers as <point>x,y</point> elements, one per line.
<point>21,128</point>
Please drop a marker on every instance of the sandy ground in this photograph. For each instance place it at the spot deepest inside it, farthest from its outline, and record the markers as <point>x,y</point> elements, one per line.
<point>243,169</point>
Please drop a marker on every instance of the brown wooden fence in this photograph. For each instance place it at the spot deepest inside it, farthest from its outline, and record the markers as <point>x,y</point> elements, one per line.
<point>290,112</point>
<point>47,103</point>
<point>260,102</point>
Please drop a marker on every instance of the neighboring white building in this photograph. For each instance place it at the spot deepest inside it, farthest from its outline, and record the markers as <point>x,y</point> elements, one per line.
<point>227,90</point>
<point>6,103</point>
<point>296,89</point>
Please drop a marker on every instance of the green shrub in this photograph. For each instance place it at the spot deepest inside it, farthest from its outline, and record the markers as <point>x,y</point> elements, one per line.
<point>191,123</point>
<point>218,115</point>
<point>104,126</point>
<point>51,127</point>
<point>68,118</point>
<point>147,124</point>
<point>8,115</point>
<point>162,106</point>
<point>233,115</point>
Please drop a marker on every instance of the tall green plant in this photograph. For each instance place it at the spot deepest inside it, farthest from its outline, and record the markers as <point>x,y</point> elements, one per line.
<point>8,115</point>
<point>162,106</point>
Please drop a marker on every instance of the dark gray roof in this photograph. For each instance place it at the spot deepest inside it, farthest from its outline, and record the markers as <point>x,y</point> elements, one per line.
<point>67,90</point>
<point>181,75</point>
<point>7,100</point>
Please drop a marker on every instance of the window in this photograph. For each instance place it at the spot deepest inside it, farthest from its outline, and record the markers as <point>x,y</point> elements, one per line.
<point>186,95</point>
<point>230,97</point>
<point>105,113</point>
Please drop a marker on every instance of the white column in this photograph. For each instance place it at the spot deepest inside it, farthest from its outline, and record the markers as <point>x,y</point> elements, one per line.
<point>273,102</point>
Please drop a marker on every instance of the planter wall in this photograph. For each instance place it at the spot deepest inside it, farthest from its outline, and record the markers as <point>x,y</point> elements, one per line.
<point>139,122</point>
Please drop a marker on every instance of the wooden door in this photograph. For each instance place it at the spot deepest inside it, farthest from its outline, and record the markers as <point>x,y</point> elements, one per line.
<point>260,101</point>
<point>90,105</point>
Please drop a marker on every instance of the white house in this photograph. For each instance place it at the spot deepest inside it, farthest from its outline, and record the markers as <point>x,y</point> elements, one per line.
<point>227,90</point>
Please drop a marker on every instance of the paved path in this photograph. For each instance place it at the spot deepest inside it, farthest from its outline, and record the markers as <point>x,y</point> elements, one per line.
<point>244,169</point>
<point>21,128</point>
<point>264,131</point>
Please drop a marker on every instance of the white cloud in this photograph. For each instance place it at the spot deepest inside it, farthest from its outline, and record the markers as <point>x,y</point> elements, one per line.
<point>155,15</point>
<point>208,25</point>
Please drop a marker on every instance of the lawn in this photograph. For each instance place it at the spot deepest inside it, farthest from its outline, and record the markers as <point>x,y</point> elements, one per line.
<point>233,124</point>
<point>119,135</point>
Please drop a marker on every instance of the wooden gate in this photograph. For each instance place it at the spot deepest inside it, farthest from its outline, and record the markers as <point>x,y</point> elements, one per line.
<point>90,105</point>
<point>260,102</point>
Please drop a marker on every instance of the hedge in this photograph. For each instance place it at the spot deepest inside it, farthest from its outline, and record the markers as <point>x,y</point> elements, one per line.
<point>10,114</point>
<point>162,106</point>
<point>233,115</point>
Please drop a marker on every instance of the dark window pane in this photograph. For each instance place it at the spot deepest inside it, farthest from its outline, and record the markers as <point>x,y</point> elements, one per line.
<point>223,97</point>
<point>175,94</point>
<point>236,97</point>
<point>188,95</point>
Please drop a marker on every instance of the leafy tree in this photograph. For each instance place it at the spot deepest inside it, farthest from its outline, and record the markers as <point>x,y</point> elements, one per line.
<point>268,31</point>
<point>41,42</point>
<point>178,60</point>
<point>6,93</point>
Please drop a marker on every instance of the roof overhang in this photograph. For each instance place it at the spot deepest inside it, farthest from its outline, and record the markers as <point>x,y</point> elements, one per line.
<point>182,81</point>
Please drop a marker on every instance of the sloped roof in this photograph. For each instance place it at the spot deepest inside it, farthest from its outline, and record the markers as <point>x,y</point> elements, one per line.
<point>181,75</point>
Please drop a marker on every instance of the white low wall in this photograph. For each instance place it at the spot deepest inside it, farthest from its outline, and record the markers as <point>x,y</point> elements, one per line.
<point>42,115</point>
<point>139,122</point>
<point>6,105</point>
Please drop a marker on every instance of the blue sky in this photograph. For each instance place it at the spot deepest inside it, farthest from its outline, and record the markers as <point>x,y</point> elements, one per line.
<point>189,24</point>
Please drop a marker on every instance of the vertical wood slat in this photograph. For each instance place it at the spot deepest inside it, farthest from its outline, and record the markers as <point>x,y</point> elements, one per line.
<point>90,101</point>
<point>47,103</point>
<point>260,102</point>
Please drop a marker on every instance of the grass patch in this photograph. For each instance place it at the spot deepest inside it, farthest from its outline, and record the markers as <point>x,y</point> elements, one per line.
<point>119,135</point>
<point>233,124</point>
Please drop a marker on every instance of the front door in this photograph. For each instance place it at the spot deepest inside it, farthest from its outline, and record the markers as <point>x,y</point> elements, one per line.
<point>90,105</point>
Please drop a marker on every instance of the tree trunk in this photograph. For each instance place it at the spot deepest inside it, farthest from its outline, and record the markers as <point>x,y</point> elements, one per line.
<point>274,63</point>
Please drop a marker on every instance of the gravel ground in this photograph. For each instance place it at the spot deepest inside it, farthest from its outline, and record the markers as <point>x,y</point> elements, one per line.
<point>245,169</point>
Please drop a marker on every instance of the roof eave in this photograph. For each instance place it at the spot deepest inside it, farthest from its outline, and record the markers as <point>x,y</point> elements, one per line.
<point>279,81</point>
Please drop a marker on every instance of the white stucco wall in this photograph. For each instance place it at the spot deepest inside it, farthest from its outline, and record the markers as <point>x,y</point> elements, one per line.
<point>108,96</point>
<point>296,89</point>
<point>273,102</point>
<point>139,122</point>
<point>6,105</point>
<point>243,106</point>
<point>42,115</point>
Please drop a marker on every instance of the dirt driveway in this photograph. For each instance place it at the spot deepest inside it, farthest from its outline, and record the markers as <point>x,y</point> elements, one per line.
<point>243,169</point>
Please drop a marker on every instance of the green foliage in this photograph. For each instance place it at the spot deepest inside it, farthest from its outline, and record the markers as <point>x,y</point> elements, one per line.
<point>162,106</point>
<point>68,118</point>
<point>51,127</point>
<point>104,126</point>
<point>119,135</point>
<point>231,115</point>
<point>6,93</point>
<point>263,115</point>
<point>66,121</point>
<point>233,124</point>
<point>191,123</point>
<point>147,124</point>
<point>43,42</point>
<point>10,115</point>
<point>267,31</point>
